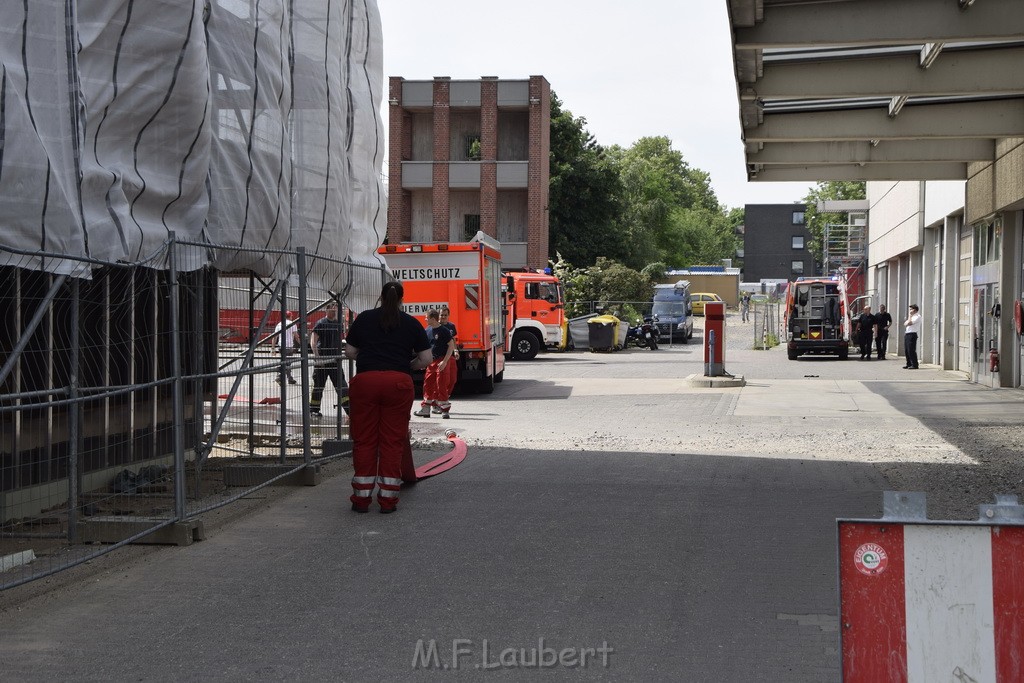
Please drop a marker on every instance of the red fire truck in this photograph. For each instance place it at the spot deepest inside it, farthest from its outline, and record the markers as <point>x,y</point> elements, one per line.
<point>466,277</point>
<point>535,314</point>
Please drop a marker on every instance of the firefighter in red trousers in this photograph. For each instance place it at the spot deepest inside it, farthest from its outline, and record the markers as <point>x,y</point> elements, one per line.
<point>436,388</point>
<point>382,341</point>
<point>452,369</point>
<point>453,365</point>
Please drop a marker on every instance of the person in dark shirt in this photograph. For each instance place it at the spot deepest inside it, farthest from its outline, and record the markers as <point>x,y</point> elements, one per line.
<point>453,364</point>
<point>882,322</point>
<point>325,341</point>
<point>865,332</point>
<point>387,345</point>
<point>436,389</point>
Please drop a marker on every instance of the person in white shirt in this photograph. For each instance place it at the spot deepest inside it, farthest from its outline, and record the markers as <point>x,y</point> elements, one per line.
<point>912,325</point>
<point>286,334</point>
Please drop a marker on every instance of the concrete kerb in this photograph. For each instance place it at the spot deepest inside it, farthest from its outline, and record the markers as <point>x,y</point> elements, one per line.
<point>716,382</point>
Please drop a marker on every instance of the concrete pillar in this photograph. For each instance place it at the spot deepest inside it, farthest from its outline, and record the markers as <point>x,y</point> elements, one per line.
<point>1011,288</point>
<point>950,291</point>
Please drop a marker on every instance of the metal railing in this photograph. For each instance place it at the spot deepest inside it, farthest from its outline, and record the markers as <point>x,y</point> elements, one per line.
<point>768,324</point>
<point>135,398</point>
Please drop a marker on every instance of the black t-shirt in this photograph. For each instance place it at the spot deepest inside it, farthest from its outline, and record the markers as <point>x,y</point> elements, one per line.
<point>386,350</point>
<point>866,322</point>
<point>883,320</point>
<point>442,335</point>
<point>328,335</point>
<point>449,325</point>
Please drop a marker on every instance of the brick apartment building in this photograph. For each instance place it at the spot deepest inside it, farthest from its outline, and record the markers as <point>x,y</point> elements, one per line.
<point>469,155</point>
<point>776,242</point>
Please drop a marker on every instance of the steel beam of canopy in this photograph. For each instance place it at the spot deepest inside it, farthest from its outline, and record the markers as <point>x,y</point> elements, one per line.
<point>969,72</point>
<point>926,171</point>
<point>744,12</point>
<point>986,119</point>
<point>863,152</point>
<point>882,22</point>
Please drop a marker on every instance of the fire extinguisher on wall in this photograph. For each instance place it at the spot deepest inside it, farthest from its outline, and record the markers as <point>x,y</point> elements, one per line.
<point>993,360</point>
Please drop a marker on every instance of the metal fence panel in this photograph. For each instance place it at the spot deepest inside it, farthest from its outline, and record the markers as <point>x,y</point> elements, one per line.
<point>136,399</point>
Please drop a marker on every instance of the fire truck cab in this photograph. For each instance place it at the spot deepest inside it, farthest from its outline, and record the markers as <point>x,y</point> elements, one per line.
<point>535,307</point>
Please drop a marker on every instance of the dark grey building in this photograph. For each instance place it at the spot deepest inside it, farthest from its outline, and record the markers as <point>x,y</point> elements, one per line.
<point>776,242</point>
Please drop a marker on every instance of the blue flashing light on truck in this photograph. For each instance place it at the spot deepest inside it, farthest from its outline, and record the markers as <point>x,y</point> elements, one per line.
<point>673,311</point>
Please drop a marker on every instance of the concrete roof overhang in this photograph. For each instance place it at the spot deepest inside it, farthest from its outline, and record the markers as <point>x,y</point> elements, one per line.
<point>876,89</point>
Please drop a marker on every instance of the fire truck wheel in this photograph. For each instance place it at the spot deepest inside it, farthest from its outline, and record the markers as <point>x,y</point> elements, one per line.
<point>793,355</point>
<point>486,385</point>
<point>844,353</point>
<point>500,377</point>
<point>525,345</point>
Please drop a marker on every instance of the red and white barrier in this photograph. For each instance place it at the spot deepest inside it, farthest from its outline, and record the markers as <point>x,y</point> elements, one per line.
<point>931,602</point>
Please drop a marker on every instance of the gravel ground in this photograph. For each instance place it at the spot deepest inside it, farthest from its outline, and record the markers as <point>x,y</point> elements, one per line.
<point>929,431</point>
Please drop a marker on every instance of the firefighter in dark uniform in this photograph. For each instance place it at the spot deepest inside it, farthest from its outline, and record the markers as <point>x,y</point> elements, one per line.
<point>325,341</point>
<point>865,329</point>
<point>882,320</point>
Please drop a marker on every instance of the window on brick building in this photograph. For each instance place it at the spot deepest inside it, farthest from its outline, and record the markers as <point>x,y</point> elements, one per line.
<point>473,149</point>
<point>798,241</point>
<point>798,267</point>
<point>470,226</point>
<point>798,218</point>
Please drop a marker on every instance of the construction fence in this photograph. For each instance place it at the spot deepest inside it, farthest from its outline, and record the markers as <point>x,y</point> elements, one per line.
<point>134,397</point>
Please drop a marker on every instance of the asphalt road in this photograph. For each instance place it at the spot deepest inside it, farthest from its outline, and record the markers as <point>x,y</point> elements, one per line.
<point>607,513</point>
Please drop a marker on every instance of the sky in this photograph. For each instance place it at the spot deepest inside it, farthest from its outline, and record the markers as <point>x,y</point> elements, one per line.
<point>662,68</point>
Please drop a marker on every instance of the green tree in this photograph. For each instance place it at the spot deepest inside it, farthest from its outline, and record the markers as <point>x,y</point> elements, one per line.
<point>736,218</point>
<point>816,221</point>
<point>605,284</point>
<point>584,202</point>
<point>657,182</point>
<point>698,236</point>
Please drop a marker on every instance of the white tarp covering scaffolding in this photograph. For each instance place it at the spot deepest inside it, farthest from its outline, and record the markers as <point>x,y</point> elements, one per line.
<point>249,123</point>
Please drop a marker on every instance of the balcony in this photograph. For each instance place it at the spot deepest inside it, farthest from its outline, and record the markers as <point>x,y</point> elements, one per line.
<point>465,174</point>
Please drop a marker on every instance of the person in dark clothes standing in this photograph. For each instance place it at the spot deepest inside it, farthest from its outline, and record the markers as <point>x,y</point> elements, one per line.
<point>325,341</point>
<point>387,345</point>
<point>882,322</point>
<point>865,329</point>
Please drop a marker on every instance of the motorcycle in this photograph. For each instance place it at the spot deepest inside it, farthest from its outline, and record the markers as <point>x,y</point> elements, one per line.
<point>644,335</point>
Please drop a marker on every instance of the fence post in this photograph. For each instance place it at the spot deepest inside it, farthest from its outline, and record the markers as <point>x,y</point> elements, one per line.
<point>179,410</point>
<point>300,264</point>
<point>74,418</point>
<point>199,310</point>
<point>283,372</point>
<point>253,339</point>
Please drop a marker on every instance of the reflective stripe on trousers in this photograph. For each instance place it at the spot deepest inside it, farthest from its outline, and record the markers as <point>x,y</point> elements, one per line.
<point>362,487</point>
<point>389,487</point>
